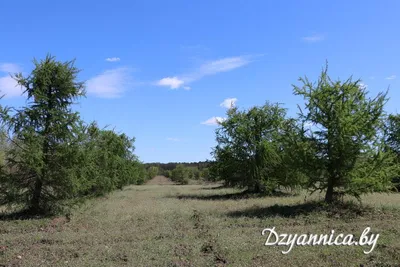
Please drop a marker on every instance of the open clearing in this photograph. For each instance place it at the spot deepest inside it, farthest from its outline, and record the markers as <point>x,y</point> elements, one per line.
<point>198,225</point>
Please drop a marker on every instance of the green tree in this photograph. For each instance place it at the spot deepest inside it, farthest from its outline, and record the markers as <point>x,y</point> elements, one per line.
<point>167,173</point>
<point>392,139</point>
<point>180,174</point>
<point>42,132</point>
<point>342,150</point>
<point>106,162</point>
<point>153,171</point>
<point>193,172</point>
<point>393,133</point>
<point>249,152</point>
<point>205,173</point>
<point>196,173</point>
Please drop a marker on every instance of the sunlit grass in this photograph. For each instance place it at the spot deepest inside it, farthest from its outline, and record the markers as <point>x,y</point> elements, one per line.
<point>197,225</point>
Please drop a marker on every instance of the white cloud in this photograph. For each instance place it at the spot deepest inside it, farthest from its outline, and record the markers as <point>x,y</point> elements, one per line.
<point>113,59</point>
<point>110,84</point>
<point>173,139</point>
<point>391,77</point>
<point>9,68</point>
<point>187,88</point>
<point>208,68</point>
<point>229,103</point>
<point>213,121</point>
<point>313,38</point>
<point>172,82</point>
<point>222,65</point>
<point>8,85</point>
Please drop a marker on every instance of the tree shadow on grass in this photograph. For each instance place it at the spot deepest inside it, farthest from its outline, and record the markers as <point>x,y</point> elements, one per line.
<point>335,210</point>
<point>22,215</point>
<point>232,196</point>
<point>215,187</point>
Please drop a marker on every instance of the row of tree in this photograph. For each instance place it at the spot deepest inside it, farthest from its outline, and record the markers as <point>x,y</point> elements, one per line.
<point>342,142</point>
<point>50,158</point>
<point>181,174</point>
<point>172,165</point>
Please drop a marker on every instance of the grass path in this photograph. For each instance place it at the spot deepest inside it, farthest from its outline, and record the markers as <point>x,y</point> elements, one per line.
<point>194,225</point>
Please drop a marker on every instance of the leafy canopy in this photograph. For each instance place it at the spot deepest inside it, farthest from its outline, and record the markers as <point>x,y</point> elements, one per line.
<point>343,149</point>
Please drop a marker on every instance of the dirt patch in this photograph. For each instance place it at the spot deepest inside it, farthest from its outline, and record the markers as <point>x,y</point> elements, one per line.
<point>160,180</point>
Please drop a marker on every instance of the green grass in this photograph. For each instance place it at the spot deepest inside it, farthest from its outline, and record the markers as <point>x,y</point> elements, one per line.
<point>196,225</point>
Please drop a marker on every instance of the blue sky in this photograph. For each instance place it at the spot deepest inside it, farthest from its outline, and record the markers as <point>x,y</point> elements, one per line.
<point>162,71</point>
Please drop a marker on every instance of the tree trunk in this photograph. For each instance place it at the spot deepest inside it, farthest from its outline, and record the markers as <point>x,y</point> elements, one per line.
<point>329,191</point>
<point>37,193</point>
<point>35,201</point>
<point>257,187</point>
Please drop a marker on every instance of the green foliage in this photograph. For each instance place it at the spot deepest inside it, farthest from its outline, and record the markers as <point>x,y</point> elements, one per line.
<point>205,173</point>
<point>193,173</point>
<point>392,138</point>
<point>393,133</point>
<point>106,161</point>
<point>180,174</point>
<point>52,159</point>
<point>343,151</point>
<point>153,171</point>
<point>196,173</point>
<point>167,173</point>
<point>250,151</point>
<point>41,157</point>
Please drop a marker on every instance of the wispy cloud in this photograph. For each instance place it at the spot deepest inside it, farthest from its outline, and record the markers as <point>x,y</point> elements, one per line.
<point>213,121</point>
<point>8,85</point>
<point>223,65</point>
<point>113,59</point>
<point>173,139</point>
<point>110,84</point>
<point>172,82</point>
<point>206,69</point>
<point>391,77</point>
<point>10,68</point>
<point>313,38</point>
<point>229,103</point>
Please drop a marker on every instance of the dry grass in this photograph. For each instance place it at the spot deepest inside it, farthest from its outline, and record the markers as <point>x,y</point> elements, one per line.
<point>197,225</point>
<point>159,180</point>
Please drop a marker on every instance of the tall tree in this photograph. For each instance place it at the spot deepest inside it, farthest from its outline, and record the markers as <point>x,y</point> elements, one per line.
<point>393,133</point>
<point>42,134</point>
<point>250,152</point>
<point>392,139</point>
<point>344,149</point>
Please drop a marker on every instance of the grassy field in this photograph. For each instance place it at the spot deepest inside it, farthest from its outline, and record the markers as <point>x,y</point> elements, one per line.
<point>199,225</point>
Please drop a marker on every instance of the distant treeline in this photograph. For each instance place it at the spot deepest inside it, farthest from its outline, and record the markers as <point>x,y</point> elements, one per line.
<point>172,165</point>
<point>180,172</point>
